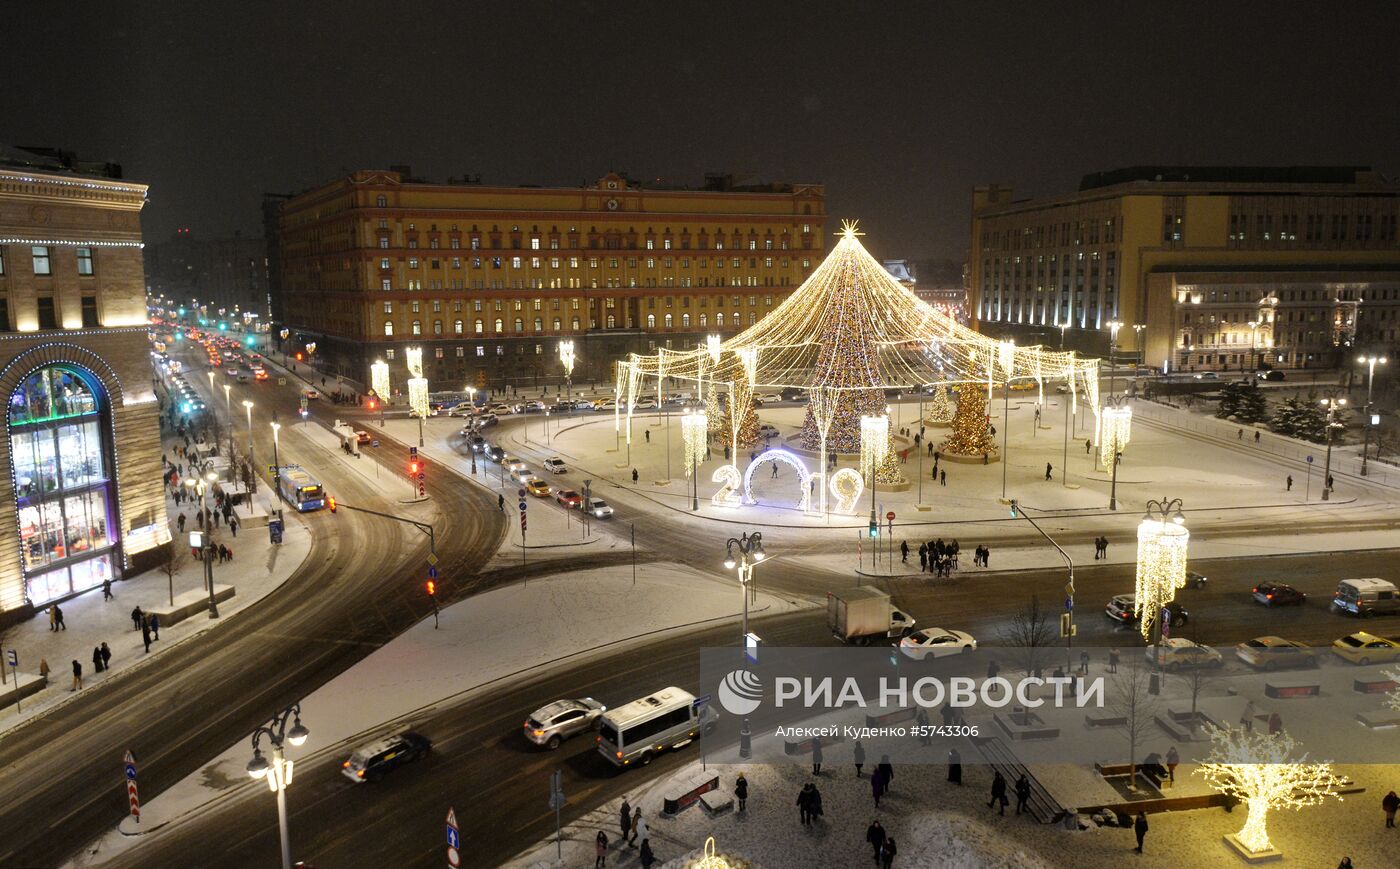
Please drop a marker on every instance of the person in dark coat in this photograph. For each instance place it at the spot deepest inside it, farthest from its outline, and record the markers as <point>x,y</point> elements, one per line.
<point>998,793</point>
<point>955,767</point>
<point>146,635</point>
<point>155,626</point>
<point>1140,829</point>
<point>875,835</point>
<point>877,784</point>
<point>741,791</point>
<point>645,855</point>
<point>817,757</point>
<point>816,806</point>
<point>805,805</point>
<point>106,590</point>
<point>137,617</point>
<point>106,657</point>
<point>97,659</point>
<point>858,751</point>
<point>904,552</point>
<point>1390,803</point>
<point>887,853</point>
<point>886,772</point>
<point>77,676</point>
<point>923,557</point>
<point>600,849</point>
<point>625,817</point>
<point>58,618</point>
<point>1023,795</point>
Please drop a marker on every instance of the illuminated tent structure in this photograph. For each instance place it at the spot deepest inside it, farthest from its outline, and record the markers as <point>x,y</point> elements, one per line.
<point>847,334</point>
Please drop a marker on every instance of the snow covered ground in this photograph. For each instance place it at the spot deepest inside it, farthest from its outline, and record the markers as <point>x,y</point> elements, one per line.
<point>485,638</point>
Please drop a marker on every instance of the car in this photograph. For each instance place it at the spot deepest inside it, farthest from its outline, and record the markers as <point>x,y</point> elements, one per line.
<point>552,724</point>
<point>1196,580</point>
<point>484,419</point>
<point>535,406</point>
<point>1207,375</point>
<point>502,409</point>
<point>555,465</point>
<point>936,643</point>
<point>537,487</point>
<point>372,760</point>
<point>493,452</point>
<point>583,404</point>
<point>768,398</point>
<point>1363,648</point>
<point>1120,609</point>
<point>645,404</point>
<point>260,374</point>
<point>1270,375</point>
<point>599,508</point>
<point>605,404</point>
<point>231,371</point>
<point>568,497</point>
<point>362,437</point>
<point>768,430</point>
<point>523,476</point>
<point>1179,653</point>
<point>310,394</point>
<point>1275,653</point>
<point>242,378</point>
<point>1278,594</point>
<point>1062,389</point>
<point>513,463</point>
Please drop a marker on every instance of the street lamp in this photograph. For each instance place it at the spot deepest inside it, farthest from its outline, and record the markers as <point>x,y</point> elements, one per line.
<point>379,382</point>
<point>566,357</point>
<point>1113,327</point>
<point>1253,344</point>
<point>1370,362</point>
<point>750,552</point>
<point>278,773</point>
<point>276,465</point>
<point>1333,405</point>
<point>248,409</point>
<point>1063,327</point>
<point>206,542</point>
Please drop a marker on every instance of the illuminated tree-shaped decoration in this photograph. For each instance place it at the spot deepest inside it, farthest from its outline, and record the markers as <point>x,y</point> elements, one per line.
<point>1260,769</point>
<point>1115,428</point>
<point>743,432</point>
<point>940,409</point>
<point>695,429</point>
<point>1161,561</point>
<point>874,442</point>
<point>417,384</point>
<point>379,379</point>
<point>971,436</point>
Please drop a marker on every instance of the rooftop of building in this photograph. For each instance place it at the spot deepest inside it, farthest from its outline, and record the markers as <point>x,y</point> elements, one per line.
<point>712,182</point>
<point>1230,175</point>
<point>54,161</point>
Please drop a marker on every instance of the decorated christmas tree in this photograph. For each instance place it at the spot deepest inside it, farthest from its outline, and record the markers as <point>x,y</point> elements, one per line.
<point>889,472</point>
<point>971,435</point>
<point>748,418</point>
<point>940,409</point>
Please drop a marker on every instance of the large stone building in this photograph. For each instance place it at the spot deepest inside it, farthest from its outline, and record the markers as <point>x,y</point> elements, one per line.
<point>228,272</point>
<point>489,280</point>
<point>82,500</point>
<point>1203,267</point>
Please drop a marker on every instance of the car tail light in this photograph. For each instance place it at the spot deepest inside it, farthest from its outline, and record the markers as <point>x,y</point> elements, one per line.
<point>619,755</point>
<point>345,765</point>
<point>539,733</point>
<point>1269,596</point>
<point>360,773</point>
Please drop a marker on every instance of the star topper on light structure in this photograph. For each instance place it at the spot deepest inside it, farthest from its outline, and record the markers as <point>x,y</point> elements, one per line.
<point>850,229</point>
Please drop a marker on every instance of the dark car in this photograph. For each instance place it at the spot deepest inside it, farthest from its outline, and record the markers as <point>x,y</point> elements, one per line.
<point>493,452</point>
<point>1120,608</point>
<point>1270,375</point>
<point>1196,580</point>
<point>1278,594</point>
<point>372,760</point>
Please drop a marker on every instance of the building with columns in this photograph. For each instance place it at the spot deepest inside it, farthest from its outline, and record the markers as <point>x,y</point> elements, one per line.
<point>83,500</point>
<point>1201,268</point>
<point>489,280</point>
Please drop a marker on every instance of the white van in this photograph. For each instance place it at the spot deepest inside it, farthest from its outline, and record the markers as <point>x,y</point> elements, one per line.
<point>1366,597</point>
<point>636,732</point>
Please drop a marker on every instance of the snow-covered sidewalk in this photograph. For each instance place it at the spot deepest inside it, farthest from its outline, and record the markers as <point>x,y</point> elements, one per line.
<point>258,567</point>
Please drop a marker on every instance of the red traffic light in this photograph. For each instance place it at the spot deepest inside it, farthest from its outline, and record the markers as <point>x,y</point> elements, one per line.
<point>432,588</point>
<point>330,502</point>
<point>371,404</point>
<point>298,357</point>
<point>413,468</point>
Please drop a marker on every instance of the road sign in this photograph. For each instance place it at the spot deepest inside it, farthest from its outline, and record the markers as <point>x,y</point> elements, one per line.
<point>374,443</point>
<point>454,840</point>
<point>413,452</point>
<point>889,516</point>
<point>432,558</point>
<point>432,573</point>
<point>13,657</point>
<point>133,799</point>
<point>521,493</point>
<point>1310,460</point>
<point>522,506</point>
<point>274,530</point>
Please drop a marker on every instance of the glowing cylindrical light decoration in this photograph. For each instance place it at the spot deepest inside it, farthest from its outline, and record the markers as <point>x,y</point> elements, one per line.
<point>874,442</point>
<point>712,343</point>
<point>413,358</point>
<point>1161,568</point>
<point>379,379</point>
<point>566,357</point>
<point>695,432</point>
<point>1115,427</point>
<point>418,396</point>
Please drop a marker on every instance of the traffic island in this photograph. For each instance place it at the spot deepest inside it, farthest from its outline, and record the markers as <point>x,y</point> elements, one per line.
<point>189,603</point>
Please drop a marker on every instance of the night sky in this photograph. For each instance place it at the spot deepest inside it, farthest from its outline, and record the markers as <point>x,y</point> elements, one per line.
<point>899,109</point>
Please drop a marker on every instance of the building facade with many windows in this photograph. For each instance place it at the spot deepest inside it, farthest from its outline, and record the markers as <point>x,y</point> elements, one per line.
<point>82,501</point>
<point>489,280</point>
<point>1202,267</point>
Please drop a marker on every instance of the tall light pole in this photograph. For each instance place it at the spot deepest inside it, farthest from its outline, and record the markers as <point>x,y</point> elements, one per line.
<point>1333,405</point>
<point>566,358</point>
<point>279,772</point>
<point>750,552</point>
<point>1371,362</point>
<point>276,464</point>
<point>1113,327</point>
<point>248,409</point>
<point>228,403</point>
<point>1253,339</point>
<point>206,543</point>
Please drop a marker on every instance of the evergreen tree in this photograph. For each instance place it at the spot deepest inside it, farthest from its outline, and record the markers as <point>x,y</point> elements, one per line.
<point>1302,419</point>
<point>971,435</point>
<point>1245,402</point>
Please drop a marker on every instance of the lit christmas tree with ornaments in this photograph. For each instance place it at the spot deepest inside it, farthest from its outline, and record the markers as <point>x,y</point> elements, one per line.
<point>971,436</point>
<point>940,408</point>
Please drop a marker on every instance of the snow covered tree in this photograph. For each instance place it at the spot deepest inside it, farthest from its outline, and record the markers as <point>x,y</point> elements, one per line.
<point>1259,769</point>
<point>1303,419</point>
<point>971,435</point>
<point>1245,402</point>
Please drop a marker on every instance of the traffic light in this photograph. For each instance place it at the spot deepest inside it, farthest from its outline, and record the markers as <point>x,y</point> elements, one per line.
<point>432,588</point>
<point>874,529</point>
<point>1015,509</point>
<point>298,356</point>
<point>413,467</point>
<point>330,502</point>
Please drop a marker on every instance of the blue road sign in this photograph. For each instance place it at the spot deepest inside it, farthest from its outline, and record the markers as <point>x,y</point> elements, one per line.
<point>413,451</point>
<point>454,838</point>
<point>702,700</point>
<point>1310,460</point>
<point>432,572</point>
<point>522,506</point>
<point>13,657</point>
<point>131,772</point>
<point>374,443</point>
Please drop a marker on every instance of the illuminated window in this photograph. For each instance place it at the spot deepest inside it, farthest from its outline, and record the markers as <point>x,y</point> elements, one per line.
<point>40,255</point>
<point>418,327</point>
<point>84,261</point>
<point>389,329</point>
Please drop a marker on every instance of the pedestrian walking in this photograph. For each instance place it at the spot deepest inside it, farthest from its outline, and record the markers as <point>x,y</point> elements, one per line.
<point>639,827</point>
<point>1084,662</point>
<point>1023,795</point>
<point>600,848</point>
<point>647,434</point>
<point>501,503</point>
<point>146,635</point>
<point>1088,446</point>
<point>942,478</point>
<point>1256,437</point>
<point>955,767</point>
<point>886,772</point>
<point>233,525</point>
<point>634,475</point>
<point>875,835</point>
<point>741,791</point>
<point>1113,658</point>
<point>106,657</point>
<point>77,676</point>
<point>1329,482</point>
<point>804,804</point>
<point>1173,758</point>
<point>645,855</point>
<point>904,552</point>
<point>58,616</point>
<point>97,659</point>
<point>1289,483</point>
<point>1275,723</point>
<point>1049,468</point>
<point>1140,828</point>
<point>44,670</point>
<point>887,853</point>
<point>53,618</point>
<point>858,752</point>
<point>998,793</point>
<point>1390,803</point>
<point>1247,716</point>
<point>1241,434</point>
<point>923,558</point>
<point>155,626</point>
<point>817,757</point>
<point>626,817</point>
<point>137,617</point>
<point>106,590</point>
<point>877,785</point>
<point>180,523</point>
<point>986,556</point>
<point>1104,547</point>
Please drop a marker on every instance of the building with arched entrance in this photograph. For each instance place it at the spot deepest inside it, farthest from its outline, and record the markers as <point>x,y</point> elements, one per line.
<point>81,500</point>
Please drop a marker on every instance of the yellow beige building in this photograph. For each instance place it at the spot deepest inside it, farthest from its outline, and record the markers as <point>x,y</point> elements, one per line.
<point>1203,268</point>
<point>489,280</point>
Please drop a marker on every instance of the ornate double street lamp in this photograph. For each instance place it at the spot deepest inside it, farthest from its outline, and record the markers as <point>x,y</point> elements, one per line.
<point>279,772</point>
<point>749,552</point>
<point>1334,406</point>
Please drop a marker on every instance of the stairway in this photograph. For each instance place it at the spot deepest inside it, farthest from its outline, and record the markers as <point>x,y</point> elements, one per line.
<point>1000,758</point>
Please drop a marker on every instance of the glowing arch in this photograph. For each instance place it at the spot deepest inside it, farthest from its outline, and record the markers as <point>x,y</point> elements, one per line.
<point>847,485</point>
<point>804,477</point>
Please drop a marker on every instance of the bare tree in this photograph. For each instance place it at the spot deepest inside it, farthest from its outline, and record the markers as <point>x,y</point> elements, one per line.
<point>1031,631</point>
<point>1196,680</point>
<point>171,562</point>
<point>1131,699</point>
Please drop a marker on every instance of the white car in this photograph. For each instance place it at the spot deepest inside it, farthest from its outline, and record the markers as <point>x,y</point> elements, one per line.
<point>502,409</point>
<point>513,464</point>
<point>768,430</point>
<point>555,465</point>
<point>599,508</point>
<point>645,404</point>
<point>1276,653</point>
<point>936,643</point>
<point>525,476</point>
<point>1179,653</point>
<point>605,404</point>
<point>310,394</point>
<point>768,398</point>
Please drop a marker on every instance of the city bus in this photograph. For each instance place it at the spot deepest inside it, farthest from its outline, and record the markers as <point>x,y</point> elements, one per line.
<point>636,732</point>
<point>300,489</point>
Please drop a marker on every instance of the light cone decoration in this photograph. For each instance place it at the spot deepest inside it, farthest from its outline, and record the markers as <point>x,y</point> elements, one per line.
<point>695,433</point>
<point>379,379</point>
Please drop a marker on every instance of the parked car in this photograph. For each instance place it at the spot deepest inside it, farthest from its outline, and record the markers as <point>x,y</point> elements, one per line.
<point>605,404</point>
<point>555,465</point>
<point>568,497</point>
<point>537,487</point>
<point>936,643</point>
<point>767,398</point>
<point>552,724</point>
<point>768,430</point>
<point>532,406</point>
<point>1276,653</point>
<point>1278,594</point>
<point>1120,609</point>
<point>1179,653</point>
<point>1363,648</point>
<point>372,760</point>
<point>583,404</point>
<point>599,508</point>
<point>1270,375</point>
<point>502,409</point>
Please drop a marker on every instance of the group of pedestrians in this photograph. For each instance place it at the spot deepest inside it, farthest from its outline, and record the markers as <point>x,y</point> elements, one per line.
<point>148,624</point>
<point>631,827</point>
<point>935,556</point>
<point>1100,548</point>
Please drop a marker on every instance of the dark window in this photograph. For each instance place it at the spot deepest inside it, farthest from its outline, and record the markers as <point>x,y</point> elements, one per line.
<point>47,319</point>
<point>4,315</point>
<point>90,312</point>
